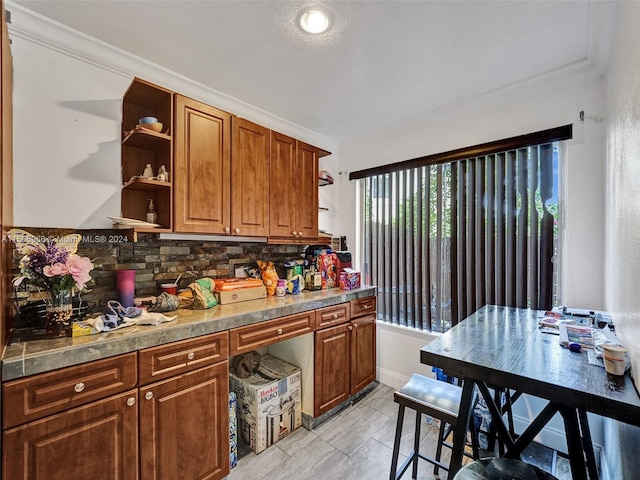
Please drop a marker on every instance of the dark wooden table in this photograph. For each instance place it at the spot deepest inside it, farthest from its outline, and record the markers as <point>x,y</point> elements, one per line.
<point>502,347</point>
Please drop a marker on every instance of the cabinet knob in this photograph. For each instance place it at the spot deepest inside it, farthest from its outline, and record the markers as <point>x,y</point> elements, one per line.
<point>294,233</point>
<point>236,230</point>
<point>279,331</point>
<point>191,355</point>
<point>355,325</point>
<point>131,401</point>
<point>148,395</point>
<point>78,387</point>
<point>227,229</point>
<point>350,327</point>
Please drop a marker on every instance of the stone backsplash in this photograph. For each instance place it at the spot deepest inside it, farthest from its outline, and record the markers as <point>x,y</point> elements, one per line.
<point>161,261</point>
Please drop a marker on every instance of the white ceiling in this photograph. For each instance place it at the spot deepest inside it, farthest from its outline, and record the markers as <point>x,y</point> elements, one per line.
<point>381,63</point>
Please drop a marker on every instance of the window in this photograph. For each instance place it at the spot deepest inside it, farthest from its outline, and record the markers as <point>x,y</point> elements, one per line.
<point>440,239</point>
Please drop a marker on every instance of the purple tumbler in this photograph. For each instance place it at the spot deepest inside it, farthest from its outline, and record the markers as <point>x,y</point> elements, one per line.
<point>126,285</point>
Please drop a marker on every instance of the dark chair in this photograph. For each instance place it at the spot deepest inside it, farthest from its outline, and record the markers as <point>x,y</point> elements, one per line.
<point>501,469</point>
<point>431,397</point>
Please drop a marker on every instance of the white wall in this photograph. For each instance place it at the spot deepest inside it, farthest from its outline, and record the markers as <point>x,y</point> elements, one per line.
<point>67,111</point>
<point>623,218</point>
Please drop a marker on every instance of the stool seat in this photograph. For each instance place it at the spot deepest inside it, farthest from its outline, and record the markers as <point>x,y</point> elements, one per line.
<point>501,469</point>
<point>431,397</point>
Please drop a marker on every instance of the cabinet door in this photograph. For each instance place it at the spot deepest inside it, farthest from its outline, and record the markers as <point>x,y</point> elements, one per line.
<point>331,375</point>
<point>98,441</point>
<point>184,425</point>
<point>363,352</point>
<point>250,179</point>
<point>202,164</point>
<point>283,188</point>
<point>307,201</point>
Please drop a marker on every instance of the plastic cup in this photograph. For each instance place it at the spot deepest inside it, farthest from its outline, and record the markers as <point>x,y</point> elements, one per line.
<point>613,356</point>
<point>170,288</point>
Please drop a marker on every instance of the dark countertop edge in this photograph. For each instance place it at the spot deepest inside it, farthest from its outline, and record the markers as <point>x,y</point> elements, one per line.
<point>64,353</point>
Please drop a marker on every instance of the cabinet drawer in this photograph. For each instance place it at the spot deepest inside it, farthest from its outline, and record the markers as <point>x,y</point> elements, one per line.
<point>362,306</point>
<point>174,358</point>
<point>40,395</point>
<point>330,316</point>
<point>245,339</point>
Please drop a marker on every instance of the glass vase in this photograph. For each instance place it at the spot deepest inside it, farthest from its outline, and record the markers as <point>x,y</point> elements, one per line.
<point>59,310</point>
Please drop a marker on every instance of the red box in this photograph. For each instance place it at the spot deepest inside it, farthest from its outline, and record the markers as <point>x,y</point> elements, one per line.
<point>327,263</point>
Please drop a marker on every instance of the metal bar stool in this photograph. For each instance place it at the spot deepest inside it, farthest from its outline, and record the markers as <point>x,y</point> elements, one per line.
<point>437,399</point>
<point>501,469</point>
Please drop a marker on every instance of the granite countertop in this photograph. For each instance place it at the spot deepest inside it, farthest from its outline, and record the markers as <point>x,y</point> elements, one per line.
<point>22,358</point>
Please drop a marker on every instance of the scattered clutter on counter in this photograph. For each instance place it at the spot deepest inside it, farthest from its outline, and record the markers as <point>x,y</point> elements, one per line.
<point>269,402</point>
<point>116,317</point>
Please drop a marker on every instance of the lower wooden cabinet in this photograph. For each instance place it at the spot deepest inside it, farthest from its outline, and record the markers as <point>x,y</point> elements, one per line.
<point>184,426</point>
<point>331,368</point>
<point>96,441</point>
<point>345,360</point>
<point>363,352</point>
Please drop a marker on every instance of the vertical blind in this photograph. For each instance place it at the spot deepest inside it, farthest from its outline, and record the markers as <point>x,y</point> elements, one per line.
<point>442,240</point>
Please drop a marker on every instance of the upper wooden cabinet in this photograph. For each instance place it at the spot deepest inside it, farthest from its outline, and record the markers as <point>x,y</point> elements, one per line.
<point>293,203</point>
<point>202,168</point>
<point>250,179</point>
<point>227,175</point>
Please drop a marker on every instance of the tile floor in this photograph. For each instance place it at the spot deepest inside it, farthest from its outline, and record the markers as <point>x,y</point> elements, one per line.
<point>356,444</point>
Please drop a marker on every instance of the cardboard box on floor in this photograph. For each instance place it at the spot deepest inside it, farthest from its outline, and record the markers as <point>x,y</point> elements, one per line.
<point>269,402</point>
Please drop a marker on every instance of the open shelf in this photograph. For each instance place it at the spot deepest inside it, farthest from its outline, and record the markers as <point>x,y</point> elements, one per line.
<point>147,139</point>
<point>145,184</point>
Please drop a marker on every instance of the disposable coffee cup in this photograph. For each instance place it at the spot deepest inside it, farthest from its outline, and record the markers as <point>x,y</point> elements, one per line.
<point>170,288</point>
<point>613,356</point>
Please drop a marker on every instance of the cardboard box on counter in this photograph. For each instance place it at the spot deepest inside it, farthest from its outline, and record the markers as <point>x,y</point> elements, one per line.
<point>349,279</point>
<point>269,402</point>
<point>241,295</point>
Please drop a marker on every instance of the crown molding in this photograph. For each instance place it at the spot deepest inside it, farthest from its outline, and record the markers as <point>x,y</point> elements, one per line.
<point>50,34</point>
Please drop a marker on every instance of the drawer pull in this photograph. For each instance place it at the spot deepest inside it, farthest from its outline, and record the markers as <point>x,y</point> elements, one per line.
<point>335,315</point>
<point>131,401</point>
<point>279,331</point>
<point>78,387</point>
<point>366,307</point>
<point>148,395</point>
<point>191,355</point>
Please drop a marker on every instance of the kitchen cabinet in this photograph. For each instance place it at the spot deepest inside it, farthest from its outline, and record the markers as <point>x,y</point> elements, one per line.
<point>97,438</point>
<point>184,425</point>
<point>6,176</point>
<point>247,338</point>
<point>345,354</point>
<point>202,168</point>
<point>142,147</point>
<point>250,179</point>
<point>294,203</point>
<point>184,417</point>
<point>105,420</point>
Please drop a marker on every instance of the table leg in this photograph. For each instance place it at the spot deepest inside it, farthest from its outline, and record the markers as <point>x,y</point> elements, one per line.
<point>460,430</point>
<point>574,443</point>
<point>587,444</point>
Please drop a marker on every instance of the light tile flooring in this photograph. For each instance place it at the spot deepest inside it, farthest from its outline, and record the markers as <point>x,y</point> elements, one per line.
<point>356,444</point>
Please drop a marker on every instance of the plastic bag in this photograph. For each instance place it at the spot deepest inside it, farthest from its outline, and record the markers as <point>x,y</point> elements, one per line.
<point>269,276</point>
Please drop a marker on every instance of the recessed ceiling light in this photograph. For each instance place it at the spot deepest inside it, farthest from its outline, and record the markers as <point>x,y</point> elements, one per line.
<point>314,21</point>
